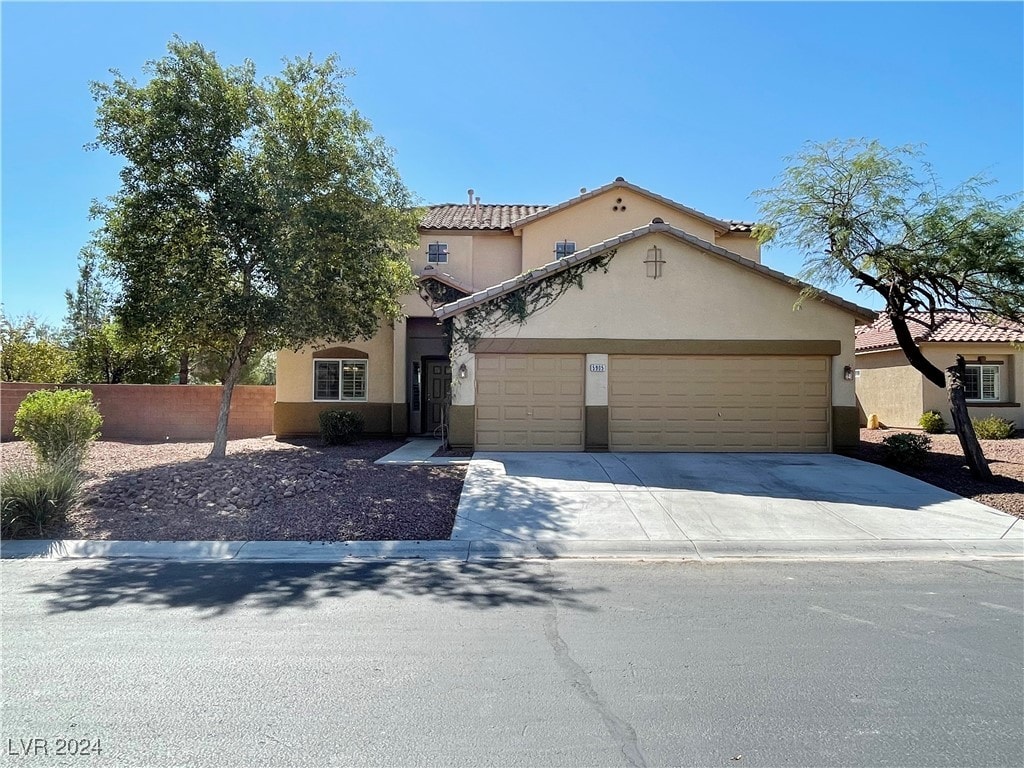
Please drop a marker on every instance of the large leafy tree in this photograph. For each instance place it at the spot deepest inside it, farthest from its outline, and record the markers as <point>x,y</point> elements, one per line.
<point>859,211</point>
<point>103,352</point>
<point>31,350</point>
<point>252,214</point>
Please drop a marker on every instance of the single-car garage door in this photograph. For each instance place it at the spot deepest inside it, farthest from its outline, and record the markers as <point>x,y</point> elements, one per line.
<point>529,402</point>
<point>718,403</point>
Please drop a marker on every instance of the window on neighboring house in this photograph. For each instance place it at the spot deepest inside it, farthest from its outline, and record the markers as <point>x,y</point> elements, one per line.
<point>564,248</point>
<point>339,380</point>
<point>981,382</point>
<point>437,253</point>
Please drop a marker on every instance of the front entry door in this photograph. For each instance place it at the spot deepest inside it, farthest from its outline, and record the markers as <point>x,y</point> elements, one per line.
<point>438,393</point>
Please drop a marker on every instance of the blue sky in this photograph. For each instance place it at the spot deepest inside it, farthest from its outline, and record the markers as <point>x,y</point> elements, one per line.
<point>526,103</point>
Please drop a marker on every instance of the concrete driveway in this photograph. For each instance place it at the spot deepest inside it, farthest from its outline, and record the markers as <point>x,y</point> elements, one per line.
<point>703,500</point>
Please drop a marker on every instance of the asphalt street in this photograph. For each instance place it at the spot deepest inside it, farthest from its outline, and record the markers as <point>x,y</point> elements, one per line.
<point>556,663</point>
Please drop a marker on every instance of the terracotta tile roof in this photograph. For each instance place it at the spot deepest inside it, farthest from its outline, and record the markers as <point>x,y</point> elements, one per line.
<point>559,265</point>
<point>455,216</point>
<point>950,327</point>
<point>465,216</point>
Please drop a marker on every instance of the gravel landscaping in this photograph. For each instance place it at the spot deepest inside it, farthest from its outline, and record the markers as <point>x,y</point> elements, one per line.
<point>264,490</point>
<point>946,468</point>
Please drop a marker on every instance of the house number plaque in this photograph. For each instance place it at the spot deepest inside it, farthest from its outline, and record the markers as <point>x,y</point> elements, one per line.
<point>598,367</point>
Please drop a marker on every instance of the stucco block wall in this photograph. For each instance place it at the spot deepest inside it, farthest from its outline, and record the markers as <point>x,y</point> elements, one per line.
<point>886,385</point>
<point>295,369</point>
<point>699,296</point>
<point>159,412</point>
<point>593,221</point>
<point>890,387</point>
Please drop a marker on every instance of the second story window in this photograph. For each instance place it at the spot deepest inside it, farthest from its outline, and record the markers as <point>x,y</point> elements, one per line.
<point>564,248</point>
<point>437,253</point>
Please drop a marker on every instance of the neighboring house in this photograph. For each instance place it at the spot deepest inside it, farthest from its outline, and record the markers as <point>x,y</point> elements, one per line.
<point>888,386</point>
<point>618,320</point>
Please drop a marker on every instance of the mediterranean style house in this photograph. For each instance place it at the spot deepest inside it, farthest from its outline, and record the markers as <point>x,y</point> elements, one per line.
<point>616,320</point>
<point>890,388</point>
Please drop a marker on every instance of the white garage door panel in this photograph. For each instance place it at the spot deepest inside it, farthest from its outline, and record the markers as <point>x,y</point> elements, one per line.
<point>718,403</point>
<point>529,402</point>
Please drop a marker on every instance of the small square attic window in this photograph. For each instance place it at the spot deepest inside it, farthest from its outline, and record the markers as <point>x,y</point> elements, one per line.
<point>565,248</point>
<point>437,253</point>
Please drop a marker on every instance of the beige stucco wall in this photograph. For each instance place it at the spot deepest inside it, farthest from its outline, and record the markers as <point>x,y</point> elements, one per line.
<point>295,369</point>
<point>414,306</point>
<point>890,387</point>
<point>887,386</point>
<point>741,243</point>
<point>460,255</point>
<point>699,296</point>
<point>478,260</point>
<point>593,221</point>
<point>497,257</point>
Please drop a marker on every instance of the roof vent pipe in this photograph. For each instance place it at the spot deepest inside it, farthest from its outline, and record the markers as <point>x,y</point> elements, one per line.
<point>470,193</point>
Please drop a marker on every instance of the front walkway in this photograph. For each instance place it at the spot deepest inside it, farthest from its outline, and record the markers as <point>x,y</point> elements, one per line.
<point>419,451</point>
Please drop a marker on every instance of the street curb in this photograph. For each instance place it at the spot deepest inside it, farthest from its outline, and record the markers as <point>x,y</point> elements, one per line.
<point>483,551</point>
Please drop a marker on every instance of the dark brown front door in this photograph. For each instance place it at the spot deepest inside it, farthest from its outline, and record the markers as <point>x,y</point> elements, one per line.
<point>438,393</point>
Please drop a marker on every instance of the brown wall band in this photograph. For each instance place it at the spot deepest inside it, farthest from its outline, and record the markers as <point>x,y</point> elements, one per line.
<point>658,346</point>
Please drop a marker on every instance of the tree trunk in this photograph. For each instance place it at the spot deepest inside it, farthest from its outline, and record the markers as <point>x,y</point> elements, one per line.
<point>220,437</point>
<point>183,368</point>
<point>962,422</point>
<point>953,381</point>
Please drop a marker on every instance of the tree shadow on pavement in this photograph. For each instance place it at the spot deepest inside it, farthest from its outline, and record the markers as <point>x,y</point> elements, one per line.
<point>215,589</point>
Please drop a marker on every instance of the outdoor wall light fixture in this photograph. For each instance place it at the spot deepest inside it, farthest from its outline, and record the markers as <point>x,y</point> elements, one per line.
<point>463,371</point>
<point>848,373</point>
<point>654,262</point>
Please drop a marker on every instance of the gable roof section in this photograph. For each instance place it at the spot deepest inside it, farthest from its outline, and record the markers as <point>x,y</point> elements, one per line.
<point>429,273</point>
<point>476,217</point>
<point>620,183</point>
<point>950,327</point>
<point>560,265</point>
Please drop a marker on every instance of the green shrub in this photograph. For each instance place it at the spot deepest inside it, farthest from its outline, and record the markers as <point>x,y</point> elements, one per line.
<point>932,423</point>
<point>59,424</point>
<point>993,428</point>
<point>338,427</point>
<point>33,500</point>
<point>906,449</point>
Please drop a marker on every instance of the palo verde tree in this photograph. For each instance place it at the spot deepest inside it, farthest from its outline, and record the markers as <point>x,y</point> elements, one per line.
<point>877,216</point>
<point>252,214</point>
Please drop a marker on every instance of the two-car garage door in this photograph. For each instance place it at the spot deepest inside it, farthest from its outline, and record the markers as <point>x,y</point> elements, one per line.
<point>718,403</point>
<point>656,403</point>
